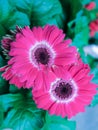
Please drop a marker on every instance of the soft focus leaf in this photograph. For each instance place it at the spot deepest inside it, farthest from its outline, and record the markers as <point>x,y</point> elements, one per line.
<point>81,32</point>
<point>58,122</point>
<point>57,126</point>
<point>10,17</point>
<point>41,12</point>
<point>3,83</point>
<point>95,72</point>
<point>18,18</point>
<point>29,12</point>
<point>21,112</point>
<point>1,114</point>
<point>2,30</point>
<point>71,7</point>
<point>95,80</point>
<point>84,2</point>
<point>75,7</point>
<point>2,61</point>
<point>95,100</point>
<point>13,88</point>
<point>8,100</point>
<point>24,116</point>
<point>5,9</point>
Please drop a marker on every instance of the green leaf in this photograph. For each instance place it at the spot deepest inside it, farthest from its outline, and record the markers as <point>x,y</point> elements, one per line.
<point>5,9</point>
<point>58,122</point>
<point>15,18</point>
<point>85,1</point>
<point>24,116</point>
<point>3,85</point>
<point>75,7</point>
<point>80,33</point>
<point>13,89</point>
<point>95,80</point>
<point>10,17</point>
<point>18,18</point>
<point>21,112</point>
<point>1,114</point>
<point>8,100</point>
<point>2,31</point>
<point>57,126</point>
<point>95,72</point>
<point>71,7</point>
<point>95,100</point>
<point>80,30</point>
<point>27,12</point>
<point>90,14</point>
<point>54,118</point>
<point>2,61</point>
<point>41,12</point>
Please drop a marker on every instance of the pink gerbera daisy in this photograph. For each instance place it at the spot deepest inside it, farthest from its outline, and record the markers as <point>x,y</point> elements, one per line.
<point>68,91</point>
<point>5,42</point>
<point>8,74</point>
<point>35,51</point>
<point>93,27</point>
<point>90,6</point>
<point>13,79</point>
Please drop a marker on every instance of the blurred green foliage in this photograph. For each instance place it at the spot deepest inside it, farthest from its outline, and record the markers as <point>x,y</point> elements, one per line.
<point>59,123</point>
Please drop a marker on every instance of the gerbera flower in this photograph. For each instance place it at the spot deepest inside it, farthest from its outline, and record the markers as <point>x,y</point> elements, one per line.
<point>93,27</point>
<point>12,78</point>
<point>90,6</point>
<point>35,51</point>
<point>68,91</point>
<point>5,42</point>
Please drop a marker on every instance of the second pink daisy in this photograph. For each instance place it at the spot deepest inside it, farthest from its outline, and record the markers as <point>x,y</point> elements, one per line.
<point>68,91</point>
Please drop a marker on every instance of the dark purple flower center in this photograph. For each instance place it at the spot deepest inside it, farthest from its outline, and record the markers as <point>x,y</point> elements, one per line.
<point>42,56</point>
<point>63,90</point>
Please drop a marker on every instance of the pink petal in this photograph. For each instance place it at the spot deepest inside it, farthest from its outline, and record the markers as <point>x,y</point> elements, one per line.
<point>53,108</point>
<point>38,33</point>
<point>53,35</point>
